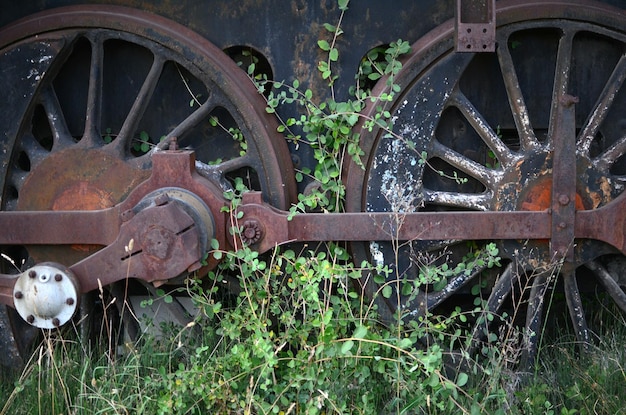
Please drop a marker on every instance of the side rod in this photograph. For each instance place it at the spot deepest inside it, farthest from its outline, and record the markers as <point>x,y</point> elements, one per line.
<point>97,227</point>
<point>101,227</point>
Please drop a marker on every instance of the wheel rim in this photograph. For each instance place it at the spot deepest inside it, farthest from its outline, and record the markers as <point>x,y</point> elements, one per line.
<point>105,84</point>
<point>490,118</point>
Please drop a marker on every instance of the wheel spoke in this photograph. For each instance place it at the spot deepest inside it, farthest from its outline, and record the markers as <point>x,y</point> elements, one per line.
<point>502,288</point>
<point>486,176</point>
<point>561,78</point>
<point>433,299</point>
<point>61,135</point>
<point>139,106</point>
<point>534,315</point>
<point>609,156</point>
<point>180,130</point>
<point>466,200</point>
<point>217,172</point>
<point>528,140</point>
<point>17,180</point>
<point>192,120</point>
<point>94,95</point>
<point>35,152</point>
<point>603,105</point>
<point>471,114</point>
<point>609,283</point>
<point>575,305</point>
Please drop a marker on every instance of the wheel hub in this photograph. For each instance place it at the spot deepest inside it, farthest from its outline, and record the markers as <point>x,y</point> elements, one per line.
<point>76,179</point>
<point>528,187</point>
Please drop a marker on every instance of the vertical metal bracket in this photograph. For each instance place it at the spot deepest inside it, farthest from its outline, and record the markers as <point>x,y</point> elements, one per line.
<point>475,26</point>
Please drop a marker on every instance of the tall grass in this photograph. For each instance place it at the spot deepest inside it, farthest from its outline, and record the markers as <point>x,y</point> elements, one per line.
<point>298,340</point>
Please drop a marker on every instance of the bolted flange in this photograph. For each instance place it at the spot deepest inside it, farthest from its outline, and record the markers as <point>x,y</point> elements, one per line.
<point>46,295</point>
<point>251,232</point>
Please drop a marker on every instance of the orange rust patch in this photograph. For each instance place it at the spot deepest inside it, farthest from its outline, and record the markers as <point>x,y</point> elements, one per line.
<point>539,197</point>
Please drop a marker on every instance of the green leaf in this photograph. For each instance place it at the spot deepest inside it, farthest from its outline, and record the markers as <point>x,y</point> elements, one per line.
<point>323,44</point>
<point>333,54</point>
<point>461,379</point>
<point>343,4</point>
<point>360,332</point>
<point>433,380</point>
<point>346,346</point>
<point>405,343</point>
<point>387,291</point>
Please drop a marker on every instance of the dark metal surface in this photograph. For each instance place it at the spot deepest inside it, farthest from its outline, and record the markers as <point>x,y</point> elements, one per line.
<point>87,87</point>
<point>83,84</point>
<point>508,123</point>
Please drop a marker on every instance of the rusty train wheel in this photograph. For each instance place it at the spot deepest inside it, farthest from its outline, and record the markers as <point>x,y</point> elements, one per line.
<point>91,90</point>
<point>490,119</point>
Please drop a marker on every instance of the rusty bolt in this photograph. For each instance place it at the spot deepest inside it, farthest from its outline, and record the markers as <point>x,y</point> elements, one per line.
<point>30,319</point>
<point>18,295</point>
<point>32,273</point>
<point>251,232</point>
<point>161,199</point>
<point>127,215</point>
<point>569,100</point>
<point>58,277</point>
<point>56,322</point>
<point>171,143</point>
<point>69,301</point>
<point>562,225</point>
<point>563,199</point>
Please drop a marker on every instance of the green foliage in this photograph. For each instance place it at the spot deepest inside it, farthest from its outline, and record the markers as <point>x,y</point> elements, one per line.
<point>329,126</point>
<point>298,336</point>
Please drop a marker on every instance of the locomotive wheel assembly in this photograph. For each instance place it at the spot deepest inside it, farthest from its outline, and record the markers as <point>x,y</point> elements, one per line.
<point>96,92</point>
<point>538,127</point>
<point>522,147</point>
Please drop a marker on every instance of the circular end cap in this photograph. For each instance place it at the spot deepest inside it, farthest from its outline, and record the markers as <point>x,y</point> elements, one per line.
<point>46,295</point>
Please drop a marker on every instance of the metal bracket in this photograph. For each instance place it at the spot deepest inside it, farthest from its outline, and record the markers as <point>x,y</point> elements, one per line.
<point>475,26</point>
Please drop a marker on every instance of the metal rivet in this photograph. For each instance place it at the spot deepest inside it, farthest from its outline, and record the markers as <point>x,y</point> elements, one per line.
<point>568,100</point>
<point>32,273</point>
<point>563,199</point>
<point>562,225</point>
<point>18,295</point>
<point>56,322</point>
<point>69,301</point>
<point>30,319</point>
<point>58,277</point>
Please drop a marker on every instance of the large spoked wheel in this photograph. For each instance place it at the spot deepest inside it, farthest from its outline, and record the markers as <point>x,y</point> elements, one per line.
<point>89,92</point>
<point>476,132</point>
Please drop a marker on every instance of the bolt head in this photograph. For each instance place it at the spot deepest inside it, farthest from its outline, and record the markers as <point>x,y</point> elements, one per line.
<point>563,199</point>
<point>32,273</point>
<point>18,295</point>
<point>58,277</point>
